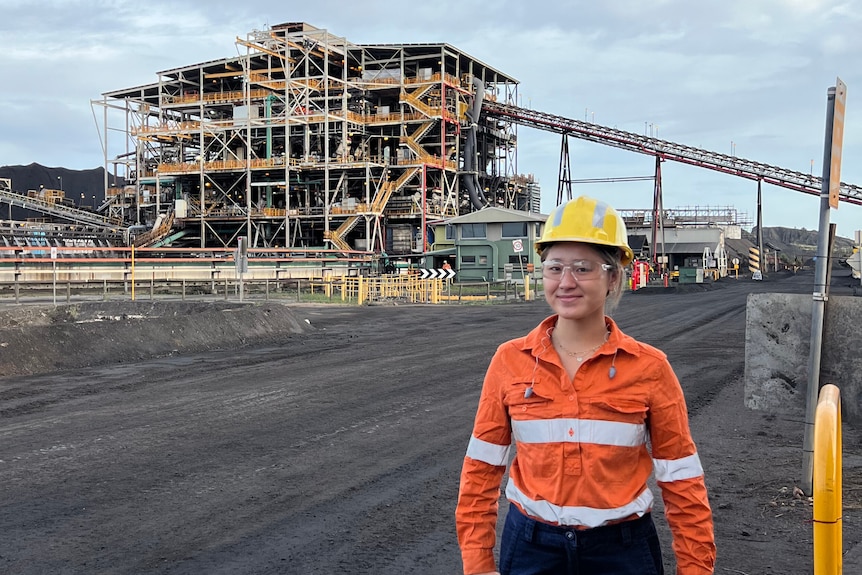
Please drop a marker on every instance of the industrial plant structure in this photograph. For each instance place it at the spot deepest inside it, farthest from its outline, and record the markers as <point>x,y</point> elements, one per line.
<point>314,148</point>
<point>307,140</point>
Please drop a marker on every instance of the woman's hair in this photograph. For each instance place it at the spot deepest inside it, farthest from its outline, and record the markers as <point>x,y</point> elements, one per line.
<point>611,255</point>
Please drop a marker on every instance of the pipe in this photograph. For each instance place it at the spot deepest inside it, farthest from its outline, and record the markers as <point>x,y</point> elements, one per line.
<point>471,175</point>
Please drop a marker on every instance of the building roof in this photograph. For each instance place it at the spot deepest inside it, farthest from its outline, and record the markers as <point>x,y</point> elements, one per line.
<point>493,215</point>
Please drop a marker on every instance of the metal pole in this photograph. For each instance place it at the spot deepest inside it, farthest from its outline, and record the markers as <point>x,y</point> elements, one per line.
<point>764,267</point>
<point>821,289</point>
<point>133,271</point>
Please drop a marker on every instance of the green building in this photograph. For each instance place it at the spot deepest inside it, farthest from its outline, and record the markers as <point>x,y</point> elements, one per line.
<point>488,244</point>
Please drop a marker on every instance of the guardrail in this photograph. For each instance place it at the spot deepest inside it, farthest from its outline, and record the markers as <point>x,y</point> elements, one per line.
<point>357,290</point>
<point>291,289</point>
<point>88,271</point>
<point>89,263</point>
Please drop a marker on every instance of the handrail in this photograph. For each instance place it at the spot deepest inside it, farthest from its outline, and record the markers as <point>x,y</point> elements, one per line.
<point>389,188</point>
<point>157,233</point>
<point>42,254</point>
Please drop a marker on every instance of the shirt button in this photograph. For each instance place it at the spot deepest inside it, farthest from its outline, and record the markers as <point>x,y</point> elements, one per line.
<point>570,535</point>
<point>571,398</point>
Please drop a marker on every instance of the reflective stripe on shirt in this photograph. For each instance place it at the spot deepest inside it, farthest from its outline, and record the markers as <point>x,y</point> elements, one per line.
<point>578,515</point>
<point>676,469</point>
<point>579,430</point>
<point>490,453</point>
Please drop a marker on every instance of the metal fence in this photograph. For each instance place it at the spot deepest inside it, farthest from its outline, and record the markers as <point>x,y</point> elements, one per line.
<point>357,290</point>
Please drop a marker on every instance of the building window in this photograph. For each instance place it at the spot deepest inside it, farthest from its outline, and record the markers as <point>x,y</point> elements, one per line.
<point>514,229</point>
<point>472,231</point>
<point>516,259</point>
<point>483,260</point>
<point>450,232</point>
<point>468,259</point>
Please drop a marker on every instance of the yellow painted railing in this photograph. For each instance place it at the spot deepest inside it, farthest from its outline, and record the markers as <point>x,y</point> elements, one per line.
<point>409,287</point>
<point>827,483</point>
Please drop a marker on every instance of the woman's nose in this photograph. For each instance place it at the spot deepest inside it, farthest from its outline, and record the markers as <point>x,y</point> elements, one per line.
<point>568,276</point>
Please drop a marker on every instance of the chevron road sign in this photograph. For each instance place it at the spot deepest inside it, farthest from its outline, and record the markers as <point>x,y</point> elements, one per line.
<point>436,274</point>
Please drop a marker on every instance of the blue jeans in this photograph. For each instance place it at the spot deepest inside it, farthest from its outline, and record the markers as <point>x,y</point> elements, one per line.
<point>529,547</point>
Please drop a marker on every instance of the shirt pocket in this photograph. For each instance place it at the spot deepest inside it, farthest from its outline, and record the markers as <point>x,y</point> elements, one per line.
<point>619,409</point>
<point>521,406</point>
<point>533,459</point>
<point>615,438</point>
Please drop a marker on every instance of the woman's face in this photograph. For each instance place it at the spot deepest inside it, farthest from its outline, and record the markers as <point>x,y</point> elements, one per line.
<point>572,298</point>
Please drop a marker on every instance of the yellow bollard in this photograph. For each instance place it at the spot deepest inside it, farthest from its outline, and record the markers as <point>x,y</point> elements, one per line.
<point>827,483</point>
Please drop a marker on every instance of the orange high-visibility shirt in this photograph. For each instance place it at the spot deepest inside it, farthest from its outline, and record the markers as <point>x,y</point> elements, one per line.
<point>582,456</point>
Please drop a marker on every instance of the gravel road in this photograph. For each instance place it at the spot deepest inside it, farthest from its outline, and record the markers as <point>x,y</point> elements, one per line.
<point>338,450</point>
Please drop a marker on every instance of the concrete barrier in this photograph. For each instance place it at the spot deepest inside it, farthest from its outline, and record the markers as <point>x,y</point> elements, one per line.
<point>777,341</point>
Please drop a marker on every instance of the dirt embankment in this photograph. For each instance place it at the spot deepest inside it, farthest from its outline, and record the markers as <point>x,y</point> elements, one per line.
<point>39,339</point>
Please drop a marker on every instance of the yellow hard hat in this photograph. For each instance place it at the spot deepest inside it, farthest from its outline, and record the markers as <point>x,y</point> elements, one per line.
<point>589,221</point>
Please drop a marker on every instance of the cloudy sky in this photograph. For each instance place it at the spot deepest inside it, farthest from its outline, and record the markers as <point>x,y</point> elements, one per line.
<point>743,77</point>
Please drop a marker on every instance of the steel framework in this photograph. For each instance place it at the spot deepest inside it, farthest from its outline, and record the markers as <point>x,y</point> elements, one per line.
<point>306,139</point>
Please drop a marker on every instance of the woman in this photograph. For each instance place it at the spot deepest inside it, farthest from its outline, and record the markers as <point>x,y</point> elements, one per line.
<point>592,413</point>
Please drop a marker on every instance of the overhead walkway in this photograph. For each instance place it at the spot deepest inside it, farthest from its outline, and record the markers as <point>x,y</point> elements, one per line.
<point>73,215</point>
<point>666,150</point>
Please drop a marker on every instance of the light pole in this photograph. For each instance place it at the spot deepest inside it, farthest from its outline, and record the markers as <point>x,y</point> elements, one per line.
<point>60,178</point>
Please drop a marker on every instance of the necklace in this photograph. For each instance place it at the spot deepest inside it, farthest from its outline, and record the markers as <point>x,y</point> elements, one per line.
<point>580,356</point>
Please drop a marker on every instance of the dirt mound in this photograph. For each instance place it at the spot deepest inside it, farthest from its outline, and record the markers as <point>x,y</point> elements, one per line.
<point>39,339</point>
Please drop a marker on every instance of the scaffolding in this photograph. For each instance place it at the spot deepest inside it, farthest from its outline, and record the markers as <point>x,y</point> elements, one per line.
<point>305,139</point>
<point>688,216</point>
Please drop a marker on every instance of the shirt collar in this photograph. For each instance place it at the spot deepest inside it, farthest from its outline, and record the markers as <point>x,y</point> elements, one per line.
<point>538,340</point>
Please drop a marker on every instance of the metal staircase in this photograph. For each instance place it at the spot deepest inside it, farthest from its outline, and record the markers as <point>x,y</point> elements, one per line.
<point>157,234</point>
<point>412,140</point>
<point>413,98</point>
<point>389,188</point>
<point>336,237</point>
<point>378,204</point>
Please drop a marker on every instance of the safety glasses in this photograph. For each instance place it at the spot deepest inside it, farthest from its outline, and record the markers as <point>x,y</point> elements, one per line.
<point>580,269</point>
